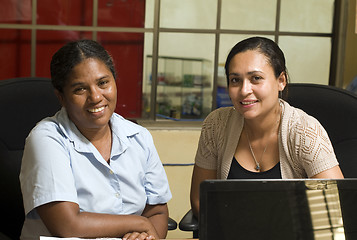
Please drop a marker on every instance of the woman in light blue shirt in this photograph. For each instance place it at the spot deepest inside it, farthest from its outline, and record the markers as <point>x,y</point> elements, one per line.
<point>87,172</point>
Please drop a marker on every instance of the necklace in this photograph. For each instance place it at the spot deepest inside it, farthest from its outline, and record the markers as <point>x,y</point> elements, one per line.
<point>251,150</point>
<point>265,148</point>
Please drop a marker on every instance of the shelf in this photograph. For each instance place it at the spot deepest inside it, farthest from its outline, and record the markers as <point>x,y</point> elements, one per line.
<point>184,88</point>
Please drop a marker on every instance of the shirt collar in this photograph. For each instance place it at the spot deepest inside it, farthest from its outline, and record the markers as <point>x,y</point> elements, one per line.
<point>122,131</point>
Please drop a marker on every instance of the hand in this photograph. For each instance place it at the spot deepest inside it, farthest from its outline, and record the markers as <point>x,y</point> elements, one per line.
<point>138,236</point>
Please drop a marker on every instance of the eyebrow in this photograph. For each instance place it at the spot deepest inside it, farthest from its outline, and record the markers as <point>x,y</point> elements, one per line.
<point>81,83</point>
<point>249,73</point>
<point>103,77</point>
<point>75,84</point>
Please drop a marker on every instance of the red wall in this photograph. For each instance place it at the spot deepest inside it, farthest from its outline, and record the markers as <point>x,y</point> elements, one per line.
<point>126,48</point>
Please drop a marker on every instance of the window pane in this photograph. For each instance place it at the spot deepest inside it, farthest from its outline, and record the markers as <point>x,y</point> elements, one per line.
<point>147,80</point>
<point>127,52</point>
<point>307,16</point>
<point>115,13</point>
<point>14,12</point>
<point>227,41</point>
<point>188,14</point>
<point>48,42</point>
<point>185,75</point>
<point>307,58</point>
<point>248,15</point>
<point>65,12</point>
<point>15,48</point>
<point>149,13</point>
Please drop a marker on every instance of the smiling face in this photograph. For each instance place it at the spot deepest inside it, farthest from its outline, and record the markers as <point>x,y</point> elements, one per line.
<point>253,87</point>
<point>89,95</point>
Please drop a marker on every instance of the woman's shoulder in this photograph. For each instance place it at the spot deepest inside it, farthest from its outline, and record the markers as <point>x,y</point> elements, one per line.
<point>298,124</point>
<point>307,141</point>
<point>220,114</point>
<point>51,123</point>
<point>296,116</point>
<point>48,130</point>
<point>219,120</point>
<point>129,127</point>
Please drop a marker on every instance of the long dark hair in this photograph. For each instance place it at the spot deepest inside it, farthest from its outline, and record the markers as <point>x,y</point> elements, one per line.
<point>73,53</point>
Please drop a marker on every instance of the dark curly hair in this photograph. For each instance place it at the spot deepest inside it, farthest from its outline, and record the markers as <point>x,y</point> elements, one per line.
<point>73,53</point>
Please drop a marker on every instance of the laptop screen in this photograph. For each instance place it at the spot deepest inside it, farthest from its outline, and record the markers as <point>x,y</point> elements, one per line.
<point>278,209</point>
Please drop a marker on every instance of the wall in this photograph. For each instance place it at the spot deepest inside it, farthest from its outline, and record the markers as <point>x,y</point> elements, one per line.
<point>177,146</point>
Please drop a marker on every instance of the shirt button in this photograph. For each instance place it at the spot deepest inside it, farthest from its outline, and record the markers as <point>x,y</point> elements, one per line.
<point>111,172</point>
<point>117,195</point>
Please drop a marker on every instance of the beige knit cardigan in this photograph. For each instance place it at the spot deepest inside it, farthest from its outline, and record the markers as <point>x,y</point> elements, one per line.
<point>304,146</point>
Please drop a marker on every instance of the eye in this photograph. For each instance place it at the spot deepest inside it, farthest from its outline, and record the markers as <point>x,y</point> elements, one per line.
<point>256,78</point>
<point>234,80</point>
<point>79,90</point>
<point>103,83</point>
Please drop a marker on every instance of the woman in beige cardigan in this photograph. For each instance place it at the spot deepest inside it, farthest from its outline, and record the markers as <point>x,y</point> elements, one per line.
<point>261,136</point>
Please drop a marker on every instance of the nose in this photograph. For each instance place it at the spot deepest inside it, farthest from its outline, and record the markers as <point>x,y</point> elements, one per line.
<point>95,95</point>
<point>246,88</point>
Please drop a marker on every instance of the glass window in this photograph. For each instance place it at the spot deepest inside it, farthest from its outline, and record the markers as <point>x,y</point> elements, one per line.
<point>227,41</point>
<point>184,78</point>
<point>48,42</point>
<point>195,53</point>
<point>200,14</point>
<point>248,15</point>
<point>184,54</point>
<point>147,76</point>
<point>307,58</point>
<point>113,13</point>
<point>65,12</point>
<point>127,52</point>
<point>149,13</point>
<point>191,45</point>
<point>13,12</point>
<point>15,48</point>
<point>307,15</point>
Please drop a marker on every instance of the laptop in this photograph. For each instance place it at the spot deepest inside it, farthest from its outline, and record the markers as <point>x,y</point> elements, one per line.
<point>306,209</point>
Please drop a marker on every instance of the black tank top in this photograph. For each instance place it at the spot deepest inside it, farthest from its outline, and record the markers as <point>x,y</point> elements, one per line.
<point>238,172</point>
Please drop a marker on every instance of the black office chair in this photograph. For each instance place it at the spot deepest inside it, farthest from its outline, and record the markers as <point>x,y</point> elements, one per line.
<point>336,109</point>
<point>23,103</point>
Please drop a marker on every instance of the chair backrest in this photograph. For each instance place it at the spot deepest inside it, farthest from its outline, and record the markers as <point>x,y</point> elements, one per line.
<point>336,109</point>
<point>23,103</point>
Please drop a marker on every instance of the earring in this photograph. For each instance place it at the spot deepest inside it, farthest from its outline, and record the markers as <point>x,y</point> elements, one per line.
<point>281,94</point>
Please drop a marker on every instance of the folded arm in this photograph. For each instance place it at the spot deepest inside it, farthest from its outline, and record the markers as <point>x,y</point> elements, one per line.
<point>158,215</point>
<point>64,219</point>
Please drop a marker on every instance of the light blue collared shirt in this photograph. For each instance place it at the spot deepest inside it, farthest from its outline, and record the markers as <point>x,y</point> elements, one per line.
<point>60,164</point>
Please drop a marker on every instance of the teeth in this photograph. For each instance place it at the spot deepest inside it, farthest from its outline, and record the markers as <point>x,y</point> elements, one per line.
<point>247,103</point>
<point>94,110</point>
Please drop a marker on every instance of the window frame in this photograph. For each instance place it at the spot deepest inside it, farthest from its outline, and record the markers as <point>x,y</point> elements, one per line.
<point>337,36</point>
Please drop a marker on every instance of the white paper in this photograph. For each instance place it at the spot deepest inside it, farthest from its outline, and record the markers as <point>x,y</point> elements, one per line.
<point>73,238</point>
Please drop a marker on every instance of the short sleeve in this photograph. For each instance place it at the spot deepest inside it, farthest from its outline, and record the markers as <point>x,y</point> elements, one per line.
<point>46,174</point>
<point>311,144</point>
<point>207,151</point>
<point>156,183</point>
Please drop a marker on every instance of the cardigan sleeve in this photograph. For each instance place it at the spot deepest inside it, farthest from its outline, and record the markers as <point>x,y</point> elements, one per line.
<point>206,155</point>
<point>212,139</point>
